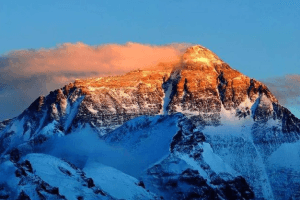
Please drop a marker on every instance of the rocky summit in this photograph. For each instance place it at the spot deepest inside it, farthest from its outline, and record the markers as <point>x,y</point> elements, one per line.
<point>194,129</point>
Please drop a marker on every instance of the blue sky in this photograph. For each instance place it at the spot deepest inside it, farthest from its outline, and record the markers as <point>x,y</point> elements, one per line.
<point>259,38</point>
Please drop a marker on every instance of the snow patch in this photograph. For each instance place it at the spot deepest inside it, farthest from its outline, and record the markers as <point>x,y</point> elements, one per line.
<point>194,164</point>
<point>63,105</point>
<point>116,183</point>
<point>92,110</point>
<point>48,129</point>
<point>204,60</point>
<point>49,169</point>
<point>73,112</point>
<point>215,162</point>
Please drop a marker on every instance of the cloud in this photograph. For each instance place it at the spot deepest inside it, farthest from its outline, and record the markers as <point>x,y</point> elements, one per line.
<point>83,60</point>
<point>286,89</point>
<point>26,74</point>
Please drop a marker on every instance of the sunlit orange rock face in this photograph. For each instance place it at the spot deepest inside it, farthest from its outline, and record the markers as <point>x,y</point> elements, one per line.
<point>200,84</point>
<point>206,83</point>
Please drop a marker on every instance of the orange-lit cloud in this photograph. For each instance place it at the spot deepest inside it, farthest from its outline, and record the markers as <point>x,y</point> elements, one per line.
<point>82,60</point>
<point>26,74</point>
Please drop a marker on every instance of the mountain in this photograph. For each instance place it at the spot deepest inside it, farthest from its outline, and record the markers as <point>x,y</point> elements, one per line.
<point>196,129</point>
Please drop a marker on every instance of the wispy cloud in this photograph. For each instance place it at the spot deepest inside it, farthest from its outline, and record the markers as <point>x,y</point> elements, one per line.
<point>26,74</point>
<point>286,89</point>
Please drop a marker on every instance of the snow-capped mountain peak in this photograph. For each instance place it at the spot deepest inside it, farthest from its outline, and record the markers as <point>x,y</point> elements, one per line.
<point>200,54</point>
<point>195,129</point>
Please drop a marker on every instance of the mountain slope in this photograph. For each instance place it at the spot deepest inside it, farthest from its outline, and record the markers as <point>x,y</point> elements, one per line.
<point>176,127</point>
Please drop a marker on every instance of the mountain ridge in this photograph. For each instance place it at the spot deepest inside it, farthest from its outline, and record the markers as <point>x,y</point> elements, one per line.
<point>215,117</point>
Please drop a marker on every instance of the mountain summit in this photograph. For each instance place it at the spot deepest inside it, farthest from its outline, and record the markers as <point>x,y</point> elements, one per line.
<point>200,54</point>
<point>196,129</point>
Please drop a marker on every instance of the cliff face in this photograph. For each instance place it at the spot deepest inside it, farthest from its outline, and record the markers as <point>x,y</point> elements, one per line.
<point>199,114</point>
